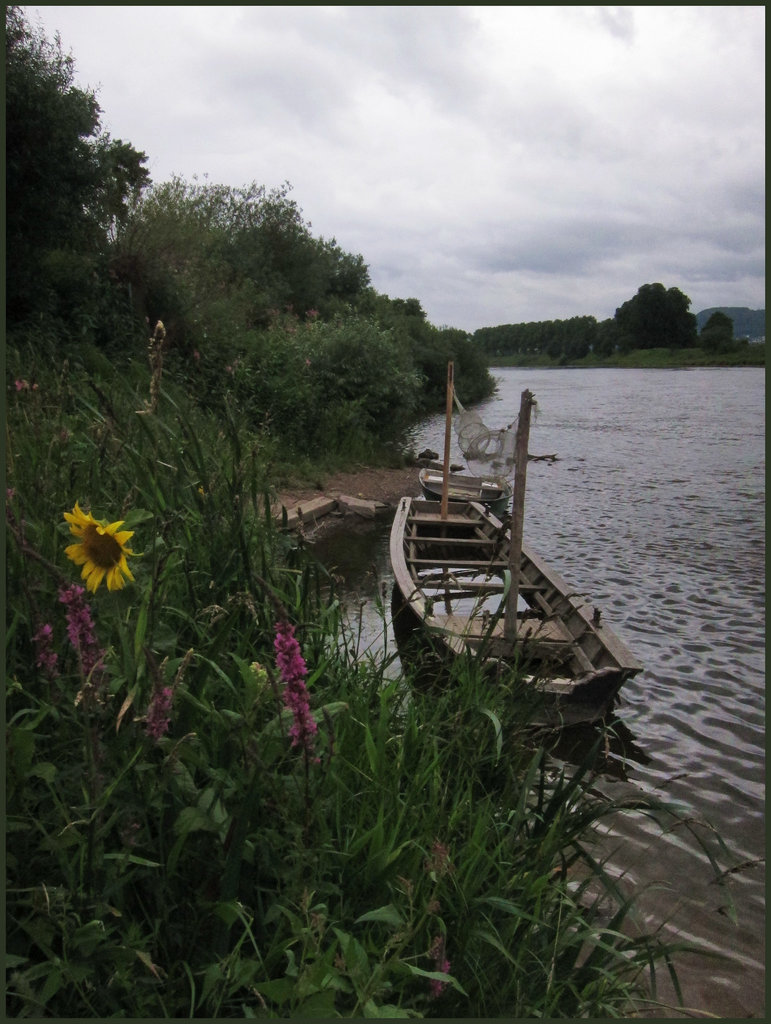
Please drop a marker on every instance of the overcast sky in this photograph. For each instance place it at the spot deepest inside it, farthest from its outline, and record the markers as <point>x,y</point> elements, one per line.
<point>500,164</point>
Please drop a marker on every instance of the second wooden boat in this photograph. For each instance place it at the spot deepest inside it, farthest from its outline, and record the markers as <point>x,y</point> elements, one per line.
<point>494,492</point>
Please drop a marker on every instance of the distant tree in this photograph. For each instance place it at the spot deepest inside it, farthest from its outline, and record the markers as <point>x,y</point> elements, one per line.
<point>717,335</point>
<point>656,317</point>
<point>67,182</point>
<point>607,338</point>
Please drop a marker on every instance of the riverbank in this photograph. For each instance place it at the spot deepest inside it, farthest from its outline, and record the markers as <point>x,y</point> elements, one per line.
<point>377,488</point>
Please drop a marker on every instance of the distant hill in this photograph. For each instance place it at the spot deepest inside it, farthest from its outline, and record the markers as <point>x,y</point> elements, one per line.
<point>748,323</point>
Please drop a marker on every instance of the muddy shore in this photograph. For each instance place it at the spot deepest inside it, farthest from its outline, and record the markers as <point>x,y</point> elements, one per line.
<point>384,486</point>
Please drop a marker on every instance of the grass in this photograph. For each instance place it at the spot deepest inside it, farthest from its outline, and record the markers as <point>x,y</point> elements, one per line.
<point>416,857</point>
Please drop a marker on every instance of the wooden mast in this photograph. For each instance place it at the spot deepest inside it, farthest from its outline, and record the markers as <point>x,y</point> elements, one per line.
<point>447,436</point>
<point>518,513</point>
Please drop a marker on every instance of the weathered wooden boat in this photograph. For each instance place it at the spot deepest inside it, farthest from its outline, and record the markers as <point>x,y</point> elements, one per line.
<point>453,578</point>
<point>494,492</point>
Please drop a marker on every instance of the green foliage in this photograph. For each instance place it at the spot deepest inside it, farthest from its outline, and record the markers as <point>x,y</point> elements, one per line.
<point>431,349</point>
<point>656,317</point>
<point>420,860</point>
<point>717,334</point>
<point>67,183</point>
<point>190,251</point>
<point>565,340</point>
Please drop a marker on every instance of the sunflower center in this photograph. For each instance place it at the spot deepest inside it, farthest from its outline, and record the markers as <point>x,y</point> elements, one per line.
<point>101,548</point>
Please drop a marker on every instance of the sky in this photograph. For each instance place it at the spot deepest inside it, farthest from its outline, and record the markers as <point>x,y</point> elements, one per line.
<point>500,164</point>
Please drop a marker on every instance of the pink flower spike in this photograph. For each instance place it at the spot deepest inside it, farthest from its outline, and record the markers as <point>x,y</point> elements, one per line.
<point>47,657</point>
<point>159,713</point>
<point>441,965</point>
<point>80,630</point>
<point>293,670</point>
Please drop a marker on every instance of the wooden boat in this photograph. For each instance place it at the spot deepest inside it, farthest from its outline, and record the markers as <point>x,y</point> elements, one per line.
<point>452,582</point>
<point>494,492</point>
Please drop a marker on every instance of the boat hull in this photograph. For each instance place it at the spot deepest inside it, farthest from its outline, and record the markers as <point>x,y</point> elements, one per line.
<point>451,582</point>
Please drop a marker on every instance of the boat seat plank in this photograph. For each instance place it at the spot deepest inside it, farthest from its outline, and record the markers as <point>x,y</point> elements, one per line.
<point>470,587</point>
<point>423,538</point>
<point>435,517</point>
<point>460,563</point>
<point>547,633</point>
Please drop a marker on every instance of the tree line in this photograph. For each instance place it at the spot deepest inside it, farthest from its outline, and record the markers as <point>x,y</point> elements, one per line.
<point>244,288</point>
<point>656,317</point>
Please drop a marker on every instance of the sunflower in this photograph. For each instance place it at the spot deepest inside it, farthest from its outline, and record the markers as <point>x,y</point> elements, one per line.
<point>101,549</point>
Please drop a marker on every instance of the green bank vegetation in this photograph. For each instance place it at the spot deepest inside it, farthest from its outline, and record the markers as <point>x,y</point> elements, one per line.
<point>219,803</point>
<point>644,359</point>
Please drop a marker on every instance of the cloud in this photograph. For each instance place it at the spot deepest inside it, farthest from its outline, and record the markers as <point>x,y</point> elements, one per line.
<point>498,163</point>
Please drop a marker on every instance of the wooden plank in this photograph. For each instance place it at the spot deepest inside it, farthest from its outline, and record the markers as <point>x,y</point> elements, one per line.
<point>471,586</point>
<point>460,541</point>
<point>459,562</point>
<point>361,506</point>
<point>432,517</point>
<point>307,511</point>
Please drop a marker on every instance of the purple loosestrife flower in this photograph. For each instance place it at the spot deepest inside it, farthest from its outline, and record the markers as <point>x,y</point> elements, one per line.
<point>80,630</point>
<point>441,964</point>
<point>293,671</point>
<point>159,713</point>
<point>438,863</point>
<point>46,656</point>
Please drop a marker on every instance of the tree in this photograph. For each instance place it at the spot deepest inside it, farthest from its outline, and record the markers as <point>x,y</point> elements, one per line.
<point>717,335</point>
<point>66,181</point>
<point>656,317</point>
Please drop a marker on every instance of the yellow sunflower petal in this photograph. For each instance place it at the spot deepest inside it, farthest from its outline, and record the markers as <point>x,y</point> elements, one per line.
<point>111,528</point>
<point>77,553</point>
<point>115,580</point>
<point>123,567</point>
<point>93,575</point>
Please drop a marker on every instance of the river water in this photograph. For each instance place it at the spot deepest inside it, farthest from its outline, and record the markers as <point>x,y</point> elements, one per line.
<point>655,508</point>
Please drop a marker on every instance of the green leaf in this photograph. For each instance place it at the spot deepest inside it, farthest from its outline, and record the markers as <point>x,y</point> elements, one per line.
<point>135,517</point>
<point>371,750</point>
<point>387,914</point>
<point>193,819</point>
<point>279,990</point>
<point>52,985</point>
<point>385,1012</point>
<point>44,770</point>
<point>141,626</point>
<point>132,858</point>
<point>436,976</point>
<point>498,732</point>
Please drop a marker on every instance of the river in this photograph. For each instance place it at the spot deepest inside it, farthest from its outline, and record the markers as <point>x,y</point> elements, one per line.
<point>655,508</point>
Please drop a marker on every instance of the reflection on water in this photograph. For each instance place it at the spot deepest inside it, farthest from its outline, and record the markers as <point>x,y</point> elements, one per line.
<point>656,509</point>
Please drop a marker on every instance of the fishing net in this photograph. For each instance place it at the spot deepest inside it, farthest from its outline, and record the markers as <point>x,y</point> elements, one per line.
<point>493,449</point>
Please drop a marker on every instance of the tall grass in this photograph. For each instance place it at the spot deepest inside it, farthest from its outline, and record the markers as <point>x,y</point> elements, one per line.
<point>171,853</point>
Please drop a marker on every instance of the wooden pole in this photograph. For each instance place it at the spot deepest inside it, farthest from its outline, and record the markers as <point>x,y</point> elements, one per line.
<point>447,437</point>
<point>518,513</point>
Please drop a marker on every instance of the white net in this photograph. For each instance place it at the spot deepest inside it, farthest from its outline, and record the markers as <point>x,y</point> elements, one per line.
<point>493,449</point>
